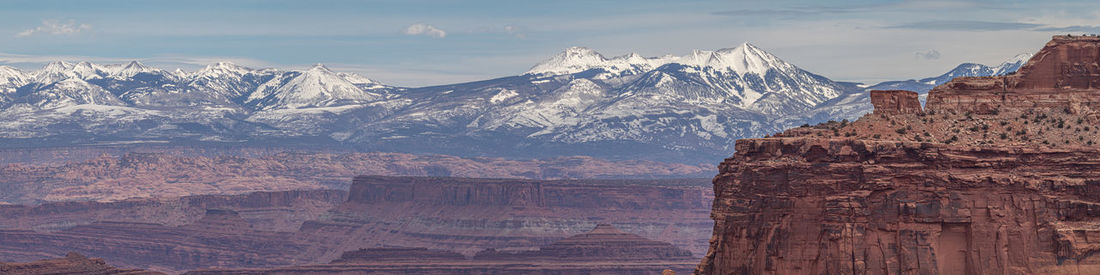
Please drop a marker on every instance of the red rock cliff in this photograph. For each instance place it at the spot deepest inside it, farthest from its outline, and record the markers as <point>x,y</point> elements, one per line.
<point>1011,187</point>
<point>895,102</point>
<point>1064,74</point>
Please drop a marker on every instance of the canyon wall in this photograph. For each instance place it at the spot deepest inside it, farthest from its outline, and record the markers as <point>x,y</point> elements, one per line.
<point>806,206</point>
<point>269,229</point>
<point>469,215</point>
<point>1000,175</point>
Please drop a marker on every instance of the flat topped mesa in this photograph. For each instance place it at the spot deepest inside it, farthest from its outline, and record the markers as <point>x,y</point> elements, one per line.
<point>1065,74</point>
<point>895,102</point>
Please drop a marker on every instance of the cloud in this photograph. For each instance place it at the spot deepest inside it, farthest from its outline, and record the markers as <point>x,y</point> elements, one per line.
<point>425,29</point>
<point>965,25</point>
<point>1072,29</point>
<point>517,32</point>
<point>794,12</point>
<point>55,27</point>
<point>928,55</point>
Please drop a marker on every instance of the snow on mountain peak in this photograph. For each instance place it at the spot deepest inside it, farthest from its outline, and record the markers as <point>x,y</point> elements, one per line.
<point>1012,64</point>
<point>316,87</point>
<point>221,69</point>
<point>572,60</point>
<point>133,68</point>
<point>10,79</point>
<point>745,58</point>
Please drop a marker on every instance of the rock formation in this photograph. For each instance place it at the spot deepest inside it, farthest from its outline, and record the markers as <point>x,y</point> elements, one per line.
<point>175,174</point>
<point>895,102</point>
<point>604,250</point>
<point>73,263</point>
<point>221,238</point>
<point>999,177</point>
<point>1063,75</point>
<point>468,215</point>
<point>272,211</point>
<point>261,230</point>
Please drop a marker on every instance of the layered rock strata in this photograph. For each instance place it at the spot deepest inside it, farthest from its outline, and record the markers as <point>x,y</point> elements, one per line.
<point>988,181</point>
<point>177,174</point>
<point>220,238</point>
<point>73,263</point>
<point>604,250</point>
<point>271,211</point>
<point>468,215</point>
<point>457,214</point>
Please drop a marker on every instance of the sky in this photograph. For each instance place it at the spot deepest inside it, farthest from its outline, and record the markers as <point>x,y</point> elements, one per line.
<point>417,43</point>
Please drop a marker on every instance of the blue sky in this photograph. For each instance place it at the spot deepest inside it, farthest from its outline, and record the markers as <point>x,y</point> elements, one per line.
<point>418,43</point>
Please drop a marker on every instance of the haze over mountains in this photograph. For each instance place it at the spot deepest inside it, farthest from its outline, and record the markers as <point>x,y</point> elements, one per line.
<point>687,108</point>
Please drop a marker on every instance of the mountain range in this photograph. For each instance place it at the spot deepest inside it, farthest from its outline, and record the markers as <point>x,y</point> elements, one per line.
<point>687,108</point>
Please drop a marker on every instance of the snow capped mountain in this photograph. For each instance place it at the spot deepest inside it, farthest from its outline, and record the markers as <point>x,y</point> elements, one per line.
<point>11,79</point>
<point>70,92</point>
<point>132,69</point>
<point>687,108</point>
<point>579,59</point>
<point>1012,64</point>
<point>316,87</point>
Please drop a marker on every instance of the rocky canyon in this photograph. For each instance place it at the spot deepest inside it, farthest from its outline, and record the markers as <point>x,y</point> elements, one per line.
<point>995,175</point>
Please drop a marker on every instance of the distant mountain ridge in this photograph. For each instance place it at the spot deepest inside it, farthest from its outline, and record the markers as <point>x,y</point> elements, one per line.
<point>687,108</point>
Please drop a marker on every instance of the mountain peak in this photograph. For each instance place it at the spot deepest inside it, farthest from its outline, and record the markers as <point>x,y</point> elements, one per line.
<point>222,68</point>
<point>133,68</point>
<point>57,66</point>
<point>319,68</point>
<point>747,58</point>
<point>571,60</point>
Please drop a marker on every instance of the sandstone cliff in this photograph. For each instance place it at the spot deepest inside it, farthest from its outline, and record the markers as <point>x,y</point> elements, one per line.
<point>999,176</point>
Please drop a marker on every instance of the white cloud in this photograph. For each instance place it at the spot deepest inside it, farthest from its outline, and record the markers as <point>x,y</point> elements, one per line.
<point>425,29</point>
<point>928,55</point>
<point>515,31</point>
<point>55,27</point>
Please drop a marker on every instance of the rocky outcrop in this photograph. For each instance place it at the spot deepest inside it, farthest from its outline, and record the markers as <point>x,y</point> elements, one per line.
<point>892,102</point>
<point>1063,75</point>
<point>73,263</point>
<point>468,215</point>
<point>937,193</point>
<point>603,250</point>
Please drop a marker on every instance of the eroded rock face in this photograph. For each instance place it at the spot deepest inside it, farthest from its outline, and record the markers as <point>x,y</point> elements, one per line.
<point>895,102</point>
<point>1011,187</point>
<point>1065,74</point>
<point>818,206</point>
<point>469,215</point>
